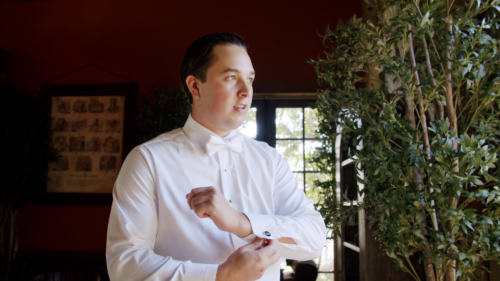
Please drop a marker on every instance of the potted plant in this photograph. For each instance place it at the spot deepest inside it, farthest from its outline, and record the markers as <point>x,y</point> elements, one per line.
<point>418,85</point>
<point>26,151</point>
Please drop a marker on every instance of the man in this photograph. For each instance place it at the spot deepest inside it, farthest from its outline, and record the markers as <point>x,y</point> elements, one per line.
<point>205,202</point>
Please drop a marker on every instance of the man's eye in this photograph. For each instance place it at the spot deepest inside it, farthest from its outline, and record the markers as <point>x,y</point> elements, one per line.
<point>232,77</point>
<point>251,80</point>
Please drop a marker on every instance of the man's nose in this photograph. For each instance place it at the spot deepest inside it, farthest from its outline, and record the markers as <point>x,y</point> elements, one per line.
<point>245,89</point>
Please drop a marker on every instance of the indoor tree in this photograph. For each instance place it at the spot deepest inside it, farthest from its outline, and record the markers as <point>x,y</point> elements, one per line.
<point>26,150</point>
<point>416,91</point>
<point>167,110</point>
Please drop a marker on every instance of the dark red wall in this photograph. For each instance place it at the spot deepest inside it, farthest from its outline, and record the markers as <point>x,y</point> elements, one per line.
<point>144,40</point>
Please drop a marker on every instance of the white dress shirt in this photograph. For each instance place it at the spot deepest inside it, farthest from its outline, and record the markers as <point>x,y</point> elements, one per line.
<point>153,234</point>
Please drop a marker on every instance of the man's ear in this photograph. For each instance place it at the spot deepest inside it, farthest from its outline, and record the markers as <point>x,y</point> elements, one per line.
<point>193,86</point>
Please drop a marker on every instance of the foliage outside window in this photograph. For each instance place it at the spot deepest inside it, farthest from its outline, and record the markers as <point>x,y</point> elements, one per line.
<point>249,127</point>
<point>429,128</point>
<point>297,140</point>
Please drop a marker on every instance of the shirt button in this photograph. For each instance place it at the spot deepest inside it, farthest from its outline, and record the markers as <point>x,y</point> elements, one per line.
<point>267,233</point>
<point>230,201</point>
<point>224,170</point>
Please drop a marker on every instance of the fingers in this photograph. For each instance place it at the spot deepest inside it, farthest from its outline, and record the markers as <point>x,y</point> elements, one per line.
<point>269,249</point>
<point>275,257</point>
<point>209,202</point>
<point>269,254</point>
<point>199,191</point>
<point>202,198</point>
<point>256,244</point>
<point>250,261</point>
<point>260,243</point>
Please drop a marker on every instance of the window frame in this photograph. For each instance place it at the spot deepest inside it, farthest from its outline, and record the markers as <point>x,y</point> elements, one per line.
<point>266,105</point>
<point>266,111</point>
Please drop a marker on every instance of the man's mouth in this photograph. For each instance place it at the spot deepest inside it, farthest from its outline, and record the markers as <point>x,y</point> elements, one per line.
<point>240,107</point>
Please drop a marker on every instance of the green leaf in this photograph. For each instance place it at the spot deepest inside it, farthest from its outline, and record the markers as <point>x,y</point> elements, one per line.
<point>488,177</point>
<point>417,232</point>
<point>477,181</point>
<point>488,220</point>
<point>462,256</point>
<point>425,19</point>
<point>469,225</point>
<point>481,73</point>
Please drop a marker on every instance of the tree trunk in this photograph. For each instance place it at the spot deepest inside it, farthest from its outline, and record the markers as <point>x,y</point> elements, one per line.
<point>440,106</point>
<point>8,238</point>
<point>451,114</point>
<point>428,264</point>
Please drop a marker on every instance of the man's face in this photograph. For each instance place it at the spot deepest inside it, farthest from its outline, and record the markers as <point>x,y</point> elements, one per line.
<point>226,96</point>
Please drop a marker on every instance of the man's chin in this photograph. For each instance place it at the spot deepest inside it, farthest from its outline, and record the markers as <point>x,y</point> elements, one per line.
<point>234,126</point>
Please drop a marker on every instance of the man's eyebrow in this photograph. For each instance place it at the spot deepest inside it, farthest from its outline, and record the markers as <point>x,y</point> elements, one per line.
<point>235,70</point>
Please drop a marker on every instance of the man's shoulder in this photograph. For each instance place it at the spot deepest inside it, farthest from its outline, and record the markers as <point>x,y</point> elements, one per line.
<point>165,138</point>
<point>261,146</point>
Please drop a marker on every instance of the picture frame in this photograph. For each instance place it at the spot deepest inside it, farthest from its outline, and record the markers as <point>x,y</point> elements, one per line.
<point>94,128</point>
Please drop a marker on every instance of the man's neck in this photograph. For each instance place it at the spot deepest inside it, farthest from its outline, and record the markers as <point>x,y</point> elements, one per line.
<point>220,133</point>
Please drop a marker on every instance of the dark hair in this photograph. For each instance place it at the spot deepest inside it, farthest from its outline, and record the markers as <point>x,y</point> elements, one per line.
<point>199,56</point>
<point>306,272</point>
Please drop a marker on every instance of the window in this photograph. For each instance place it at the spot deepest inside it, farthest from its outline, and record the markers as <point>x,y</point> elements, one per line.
<point>290,126</point>
<point>249,127</point>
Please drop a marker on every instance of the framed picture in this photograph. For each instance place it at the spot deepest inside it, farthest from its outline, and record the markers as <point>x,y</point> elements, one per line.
<point>93,131</point>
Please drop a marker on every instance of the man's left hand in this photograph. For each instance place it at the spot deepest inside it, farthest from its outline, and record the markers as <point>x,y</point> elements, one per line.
<point>208,202</point>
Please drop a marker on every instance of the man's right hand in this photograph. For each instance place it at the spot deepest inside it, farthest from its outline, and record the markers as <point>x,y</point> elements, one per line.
<point>208,202</point>
<point>249,262</point>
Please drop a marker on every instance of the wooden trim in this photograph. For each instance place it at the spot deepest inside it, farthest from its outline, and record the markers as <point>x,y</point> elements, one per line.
<point>349,161</point>
<point>347,204</point>
<point>351,246</point>
<point>339,266</point>
<point>284,96</point>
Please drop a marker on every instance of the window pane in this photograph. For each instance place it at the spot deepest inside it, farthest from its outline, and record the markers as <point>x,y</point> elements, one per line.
<point>249,127</point>
<point>311,122</point>
<point>325,261</point>
<point>300,179</point>
<point>288,123</point>
<point>310,149</point>
<point>312,191</point>
<point>292,152</point>
<point>325,277</point>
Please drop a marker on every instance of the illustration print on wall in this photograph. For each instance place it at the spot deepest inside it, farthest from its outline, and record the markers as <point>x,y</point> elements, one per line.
<point>88,133</point>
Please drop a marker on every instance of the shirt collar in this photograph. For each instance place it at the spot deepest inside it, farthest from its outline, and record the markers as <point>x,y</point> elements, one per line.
<point>199,135</point>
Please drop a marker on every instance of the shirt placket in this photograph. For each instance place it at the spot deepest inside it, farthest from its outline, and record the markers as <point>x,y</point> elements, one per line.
<point>225,174</point>
<point>225,186</point>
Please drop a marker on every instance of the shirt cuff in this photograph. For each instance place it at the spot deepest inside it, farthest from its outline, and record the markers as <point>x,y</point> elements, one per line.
<point>202,272</point>
<point>263,226</point>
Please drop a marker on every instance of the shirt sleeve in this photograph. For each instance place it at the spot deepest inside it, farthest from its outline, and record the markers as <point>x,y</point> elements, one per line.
<point>295,217</point>
<point>133,226</point>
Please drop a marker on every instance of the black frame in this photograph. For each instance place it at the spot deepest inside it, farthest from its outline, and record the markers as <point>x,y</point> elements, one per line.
<point>130,92</point>
<point>266,110</point>
<point>266,131</point>
<point>266,124</point>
